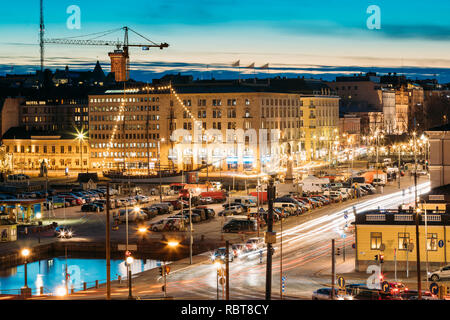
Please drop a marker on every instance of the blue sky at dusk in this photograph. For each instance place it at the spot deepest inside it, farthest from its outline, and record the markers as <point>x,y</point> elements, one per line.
<point>304,37</point>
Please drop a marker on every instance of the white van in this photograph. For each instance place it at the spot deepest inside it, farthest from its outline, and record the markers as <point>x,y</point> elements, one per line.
<point>247,200</point>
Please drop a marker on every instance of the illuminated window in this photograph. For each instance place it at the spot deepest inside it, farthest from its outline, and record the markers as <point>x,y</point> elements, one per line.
<point>432,242</point>
<point>403,240</point>
<point>375,240</point>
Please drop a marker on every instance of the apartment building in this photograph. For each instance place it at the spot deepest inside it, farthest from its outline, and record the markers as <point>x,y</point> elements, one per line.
<point>133,130</point>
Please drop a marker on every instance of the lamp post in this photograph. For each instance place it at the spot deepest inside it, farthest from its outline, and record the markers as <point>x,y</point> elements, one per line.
<point>25,253</point>
<point>129,262</point>
<point>172,245</point>
<point>190,228</point>
<point>159,168</point>
<point>25,291</point>
<point>39,216</point>
<point>81,137</point>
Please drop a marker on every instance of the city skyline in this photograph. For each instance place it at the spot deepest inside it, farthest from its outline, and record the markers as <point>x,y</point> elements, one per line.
<point>295,38</point>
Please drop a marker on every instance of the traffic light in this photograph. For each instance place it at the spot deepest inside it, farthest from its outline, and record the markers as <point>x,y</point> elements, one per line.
<point>161,272</point>
<point>167,269</point>
<point>338,251</point>
<point>381,258</point>
<point>376,257</point>
<point>127,253</point>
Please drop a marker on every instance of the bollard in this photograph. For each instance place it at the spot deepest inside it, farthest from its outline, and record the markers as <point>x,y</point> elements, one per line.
<point>96,284</point>
<point>41,291</point>
<point>84,286</point>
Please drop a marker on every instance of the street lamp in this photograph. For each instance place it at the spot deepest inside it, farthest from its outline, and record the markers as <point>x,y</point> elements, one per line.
<point>129,261</point>
<point>39,216</point>
<point>80,135</point>
<point>25,254</point>
<point>219,267</point>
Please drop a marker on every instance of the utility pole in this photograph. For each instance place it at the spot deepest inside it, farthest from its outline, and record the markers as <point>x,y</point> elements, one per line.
<point>271,198</point>
<point>190,229</point>
<point>419,282</point>
<point>227,269</point>
<point>108,253</point>
<point>333,268</point>
<point>281,258</point>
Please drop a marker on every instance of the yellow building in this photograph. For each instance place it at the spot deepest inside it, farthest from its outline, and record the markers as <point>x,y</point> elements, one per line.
<point>136,126</point>
<point>58,151</point>
<point>391,233</point>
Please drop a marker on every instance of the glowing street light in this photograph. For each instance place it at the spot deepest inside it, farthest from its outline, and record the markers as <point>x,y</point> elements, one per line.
<point>129,261</point>
<point>25,254</point>
<point>81,136</point>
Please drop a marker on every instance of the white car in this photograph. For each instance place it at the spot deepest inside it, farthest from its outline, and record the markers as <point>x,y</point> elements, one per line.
<point>442,273</point>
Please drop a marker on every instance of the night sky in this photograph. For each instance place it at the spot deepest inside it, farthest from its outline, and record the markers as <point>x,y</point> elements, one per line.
<point>321,39</point>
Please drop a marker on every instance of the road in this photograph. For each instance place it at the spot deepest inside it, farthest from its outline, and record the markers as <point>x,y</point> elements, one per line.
<point>306,255</point>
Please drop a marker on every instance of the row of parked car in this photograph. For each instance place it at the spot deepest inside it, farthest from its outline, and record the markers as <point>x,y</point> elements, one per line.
<point>180,221</point>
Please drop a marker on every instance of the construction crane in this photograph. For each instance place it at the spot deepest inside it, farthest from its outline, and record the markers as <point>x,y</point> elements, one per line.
<point>120,58</point>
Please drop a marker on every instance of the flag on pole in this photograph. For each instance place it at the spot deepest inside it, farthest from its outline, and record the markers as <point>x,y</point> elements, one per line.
<point>266,66</point>
<point>236,64</point>
<point>251,66</point>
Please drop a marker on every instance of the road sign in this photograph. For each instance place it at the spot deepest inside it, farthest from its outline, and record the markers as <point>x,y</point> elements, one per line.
<point>434,288</point>
<point>158,263</point>
<point>345,215</point>
<point>341,282</point>
<point>222,281</point>
<point>385,286</point>
<point>343,235</point>
<point>441,243</point>
<point>270,237</point>
<point>382,247</point>
<point>123,247</point>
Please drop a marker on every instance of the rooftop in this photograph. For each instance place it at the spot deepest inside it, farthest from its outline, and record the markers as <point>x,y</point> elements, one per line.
<point>21,133</point>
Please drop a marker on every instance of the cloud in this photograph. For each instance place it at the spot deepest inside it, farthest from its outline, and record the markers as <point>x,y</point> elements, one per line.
<point>145,71</point>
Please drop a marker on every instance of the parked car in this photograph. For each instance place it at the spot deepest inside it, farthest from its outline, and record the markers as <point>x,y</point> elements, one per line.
<point>92,207</point>
<point>234,206</point>
<point>150,211</point>
<point>236,225</point>
<point>194,216</point>
<point>440,274</point>
<point>168,224</point>
<point>133,215</point>
<point>228,212</point>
